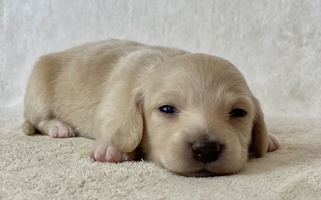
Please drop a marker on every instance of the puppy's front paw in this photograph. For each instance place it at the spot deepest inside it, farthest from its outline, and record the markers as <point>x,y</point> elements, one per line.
<point>273,143</point>
<point>105,153</point>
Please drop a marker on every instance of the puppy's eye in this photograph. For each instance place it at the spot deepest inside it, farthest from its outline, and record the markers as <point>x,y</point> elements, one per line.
<point>238,112</point>
<point>167,109</point>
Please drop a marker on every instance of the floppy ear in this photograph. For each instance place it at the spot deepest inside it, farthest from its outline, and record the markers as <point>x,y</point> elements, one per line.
<point>259,132</point>
<point>130,133</point>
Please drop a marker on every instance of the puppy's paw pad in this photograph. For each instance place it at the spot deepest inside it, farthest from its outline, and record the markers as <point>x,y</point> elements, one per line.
<point>61,130</point>
<point>273,144</point>
<point>105,153</point>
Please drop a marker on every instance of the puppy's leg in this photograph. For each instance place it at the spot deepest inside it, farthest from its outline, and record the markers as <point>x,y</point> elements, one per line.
<point>51,127</point>
<point>28,128</point>
<point>40,117</point>
<point>108,153</point>
<point>273,143</point>
<point>56,129</point>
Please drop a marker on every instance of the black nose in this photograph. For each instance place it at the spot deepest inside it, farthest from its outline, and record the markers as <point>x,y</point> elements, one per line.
<point>206,151</point>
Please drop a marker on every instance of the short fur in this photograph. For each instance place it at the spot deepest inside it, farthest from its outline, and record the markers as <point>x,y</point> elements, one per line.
<point>111,91</point>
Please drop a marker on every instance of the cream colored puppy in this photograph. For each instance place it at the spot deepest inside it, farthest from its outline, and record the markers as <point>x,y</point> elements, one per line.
<point>192,114</point>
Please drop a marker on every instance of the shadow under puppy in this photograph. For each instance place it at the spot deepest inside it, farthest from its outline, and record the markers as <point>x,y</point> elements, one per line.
<point>192,114</point>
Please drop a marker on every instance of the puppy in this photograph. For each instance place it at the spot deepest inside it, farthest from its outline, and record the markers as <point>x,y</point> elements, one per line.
<point>192,114</point>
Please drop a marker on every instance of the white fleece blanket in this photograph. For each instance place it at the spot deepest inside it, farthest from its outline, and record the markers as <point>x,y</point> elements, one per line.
<point>40,167</point>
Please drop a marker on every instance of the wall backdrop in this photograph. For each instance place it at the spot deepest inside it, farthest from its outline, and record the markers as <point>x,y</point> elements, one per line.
<point>275,44</point>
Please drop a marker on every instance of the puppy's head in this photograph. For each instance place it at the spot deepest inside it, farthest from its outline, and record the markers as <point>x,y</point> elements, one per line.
<point>198,116</point>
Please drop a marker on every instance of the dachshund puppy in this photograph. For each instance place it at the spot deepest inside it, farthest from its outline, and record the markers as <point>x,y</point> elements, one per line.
<point>192,114</point>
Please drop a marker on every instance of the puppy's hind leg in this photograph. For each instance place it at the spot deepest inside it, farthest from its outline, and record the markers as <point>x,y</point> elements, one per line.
<point>40,119</point>
<point>39,99</point>
<point>56,129</point>
<point>52,127</point>
<point>28,128</point>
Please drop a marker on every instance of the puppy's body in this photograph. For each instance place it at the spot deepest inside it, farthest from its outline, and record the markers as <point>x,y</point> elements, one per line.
<point>114,92</point>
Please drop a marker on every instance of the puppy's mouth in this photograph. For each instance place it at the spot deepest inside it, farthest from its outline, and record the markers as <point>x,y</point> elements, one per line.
<point>201,174</point>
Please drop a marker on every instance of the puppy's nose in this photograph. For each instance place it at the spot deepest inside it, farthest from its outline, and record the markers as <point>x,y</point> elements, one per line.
<point>206,151</point>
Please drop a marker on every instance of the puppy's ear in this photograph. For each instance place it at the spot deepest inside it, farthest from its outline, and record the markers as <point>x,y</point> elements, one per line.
<point>130,133</point>
<point>259,132</point>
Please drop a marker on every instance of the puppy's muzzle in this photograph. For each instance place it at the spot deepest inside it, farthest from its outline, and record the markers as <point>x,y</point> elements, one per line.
<point>206,151</point>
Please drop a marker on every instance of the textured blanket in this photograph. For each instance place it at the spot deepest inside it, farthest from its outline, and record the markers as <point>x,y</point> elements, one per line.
<point>40,167</point>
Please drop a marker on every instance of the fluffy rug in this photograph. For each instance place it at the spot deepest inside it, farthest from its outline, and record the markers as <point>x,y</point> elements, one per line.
<point>40,167</point>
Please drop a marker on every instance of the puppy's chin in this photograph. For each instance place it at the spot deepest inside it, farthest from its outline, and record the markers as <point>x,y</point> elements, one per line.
<point>178,158</point>
<point>204,170</point>
<point>207,171</point>
<point>201,174</point>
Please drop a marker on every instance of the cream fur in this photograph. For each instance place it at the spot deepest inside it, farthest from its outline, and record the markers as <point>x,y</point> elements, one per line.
<point>111,91</point>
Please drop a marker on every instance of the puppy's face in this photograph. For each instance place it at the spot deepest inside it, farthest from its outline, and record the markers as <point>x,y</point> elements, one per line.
<point>199,117</point>
<point>199,114</point>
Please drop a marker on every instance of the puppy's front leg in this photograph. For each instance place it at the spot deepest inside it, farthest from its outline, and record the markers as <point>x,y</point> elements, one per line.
<point>119,126</point>
<point>108,153</point>
<point>273,143</point>
<point>103,150</point>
